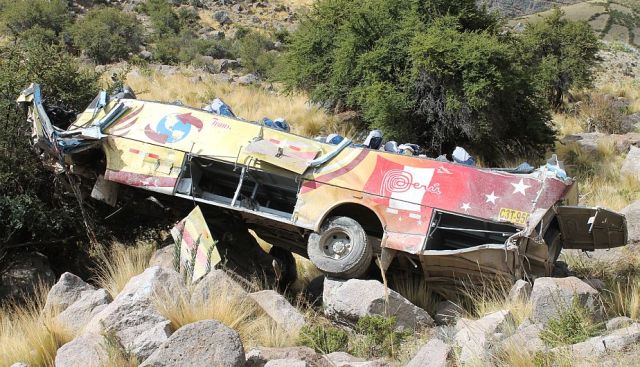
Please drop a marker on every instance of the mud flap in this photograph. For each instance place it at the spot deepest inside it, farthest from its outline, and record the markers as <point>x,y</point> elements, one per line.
<point>591,228</point>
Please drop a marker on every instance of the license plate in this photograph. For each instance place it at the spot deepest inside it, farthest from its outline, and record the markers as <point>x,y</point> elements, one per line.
<point>514,216</point>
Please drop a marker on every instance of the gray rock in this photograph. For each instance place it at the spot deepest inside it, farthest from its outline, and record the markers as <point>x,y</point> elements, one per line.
<point>286,363</point>
<point>132,315</point>
<point>631,164</point>
<point>23,272</point>
<point>147,55</point>
<point>214,284</point>
<point>164,257</point>
<point>619,323</point>
<point>341,359</point>
<point>248,79</point>
<point>527,337</point>
<point>258,357</point>
<point>77,315</point>
<point>87,350</point>
<point>589,142</point>
<point>617,341</point>
<point>447,313</point>
<point>475,337</point>
<point>66,291</point>
<point>202,343</point>
<point>20,364</point>
<point>279,309</point>
<point>222,17</point>
<point>521,290</point>
<point>510,8</point>
<point>632,213</point>
<point>553,296</point>
<point>432,354</point>
<point>351,299</point>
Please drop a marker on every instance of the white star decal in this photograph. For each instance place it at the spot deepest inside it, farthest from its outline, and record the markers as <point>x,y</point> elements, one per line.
<point>491,198</point>
<point>520,187</point>
<point>465,207</point>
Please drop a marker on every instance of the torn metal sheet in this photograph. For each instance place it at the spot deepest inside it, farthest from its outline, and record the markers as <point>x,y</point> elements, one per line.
<point>198,252</point>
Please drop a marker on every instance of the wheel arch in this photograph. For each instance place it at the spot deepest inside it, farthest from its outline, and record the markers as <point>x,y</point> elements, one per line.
<point>370,221</point>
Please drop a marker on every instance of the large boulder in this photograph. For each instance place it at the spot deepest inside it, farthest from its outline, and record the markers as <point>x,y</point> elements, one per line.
<point>78,314</point>
<point>66,291</point>
<point>432,354</point>
<point>632,213</point>
<point>22,274</point>
<point>202,343</point>
<point>216,283</point>
<point>87,350</point>
<point>527,337</point>
<point>631,164</point>
<point>520,291</point>
<point>259,356</point>
<point>475,337</point>
<point>132,315</point>
<point>286,363</point>
<point>164,257</point>
<point>351,299</point>
<point>551,297</point>
<point>279,310</point>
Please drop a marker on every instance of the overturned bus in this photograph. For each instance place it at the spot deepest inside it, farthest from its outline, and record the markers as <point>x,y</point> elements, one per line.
<point>345,208</point>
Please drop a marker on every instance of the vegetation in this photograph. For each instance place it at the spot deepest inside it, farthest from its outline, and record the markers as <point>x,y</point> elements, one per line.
<point>118,264</point>
<point>574,325</point>
<point>28,18</point>
<point>107,34</point>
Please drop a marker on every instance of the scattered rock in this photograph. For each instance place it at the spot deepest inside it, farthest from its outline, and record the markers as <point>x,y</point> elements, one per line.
<point>248,79</point>
<point>286,363</point>
<point>632,213</point>
<point>432,354</point>
<point>258,357</point>
<point>18,280</point>
<point>589,142</point>
<point>447,313</point>
<point>87,350</point>
<point>66,291</point>
<point>132,314</point>
<point>341,359</point>
<point>521,290</point>
<point>527,337</point>
<point>164,257</point>
<point>553,296</point>
<point>76,316</point>
<point>216,282</point>
<point>351,299</point>
<point>222,17</point>
<point>20,364</point>
<point>279,309</point>
<point>617,341</point>
<point>474,337</point>
<point>631,164</point>
<point>147,55</point>
<point>202,343</point>
<point>619,323</point>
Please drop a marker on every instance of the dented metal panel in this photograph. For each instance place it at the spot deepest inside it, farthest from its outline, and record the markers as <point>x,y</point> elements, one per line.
<point>591,228</point>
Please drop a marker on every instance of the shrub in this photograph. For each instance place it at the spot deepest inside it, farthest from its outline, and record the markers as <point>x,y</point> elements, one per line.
<point>324,339</point>
<point>574,325</point>
<point>435,80</point>
<point>377,337</point>
<point>18,17</point>
<point>107,34</point>
<point>253,49</point>
<point>602,113</point>
<point>165,22</point>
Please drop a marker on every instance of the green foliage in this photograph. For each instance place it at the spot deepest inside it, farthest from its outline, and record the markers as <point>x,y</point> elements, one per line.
<point>30,206</point>
<point>324,339</point>
<point>107,34</point>
<point>18,17</point>
<point>561,54</point>
<point>437,73</point>
<point>574,325</point>
<point>377,337</point>
<point>253,49</point>
<point>163,19</point>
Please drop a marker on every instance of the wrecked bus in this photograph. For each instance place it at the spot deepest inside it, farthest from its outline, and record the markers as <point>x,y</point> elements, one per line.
<point>342,207</point>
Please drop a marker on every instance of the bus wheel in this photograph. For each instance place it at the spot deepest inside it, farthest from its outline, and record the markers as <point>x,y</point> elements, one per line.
<point>341,248</point>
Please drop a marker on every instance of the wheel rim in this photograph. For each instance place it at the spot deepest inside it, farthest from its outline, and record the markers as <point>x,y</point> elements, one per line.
<point>336,244</point>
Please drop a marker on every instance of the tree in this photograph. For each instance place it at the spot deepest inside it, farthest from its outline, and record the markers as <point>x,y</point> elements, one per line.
<point>20,16</point>
<point>562,54</point>
<point>107,34</point>
<point>434,72</point>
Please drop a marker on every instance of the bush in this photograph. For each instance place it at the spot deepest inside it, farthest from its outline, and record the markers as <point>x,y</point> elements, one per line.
<point>164,21</point>
<point>107,34</point>
<point>602,113</point>
<point>253,49</point>
<point>324,339</point>
<point>377,337</point>
<point>572,326</point>
<point>18,17</point>
<point>421,77</point>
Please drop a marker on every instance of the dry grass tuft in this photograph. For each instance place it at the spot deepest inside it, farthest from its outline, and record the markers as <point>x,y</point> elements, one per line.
<point>119,263</point>
<point>248,102</point>
<point>492,297</point>
<point>237,312</point>
<point>30,335</point>
<point>415,289</point>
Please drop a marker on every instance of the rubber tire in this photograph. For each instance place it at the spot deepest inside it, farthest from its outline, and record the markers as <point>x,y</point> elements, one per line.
<point>553,238</point>
<point>288,263</point>
<point>353,265</point>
